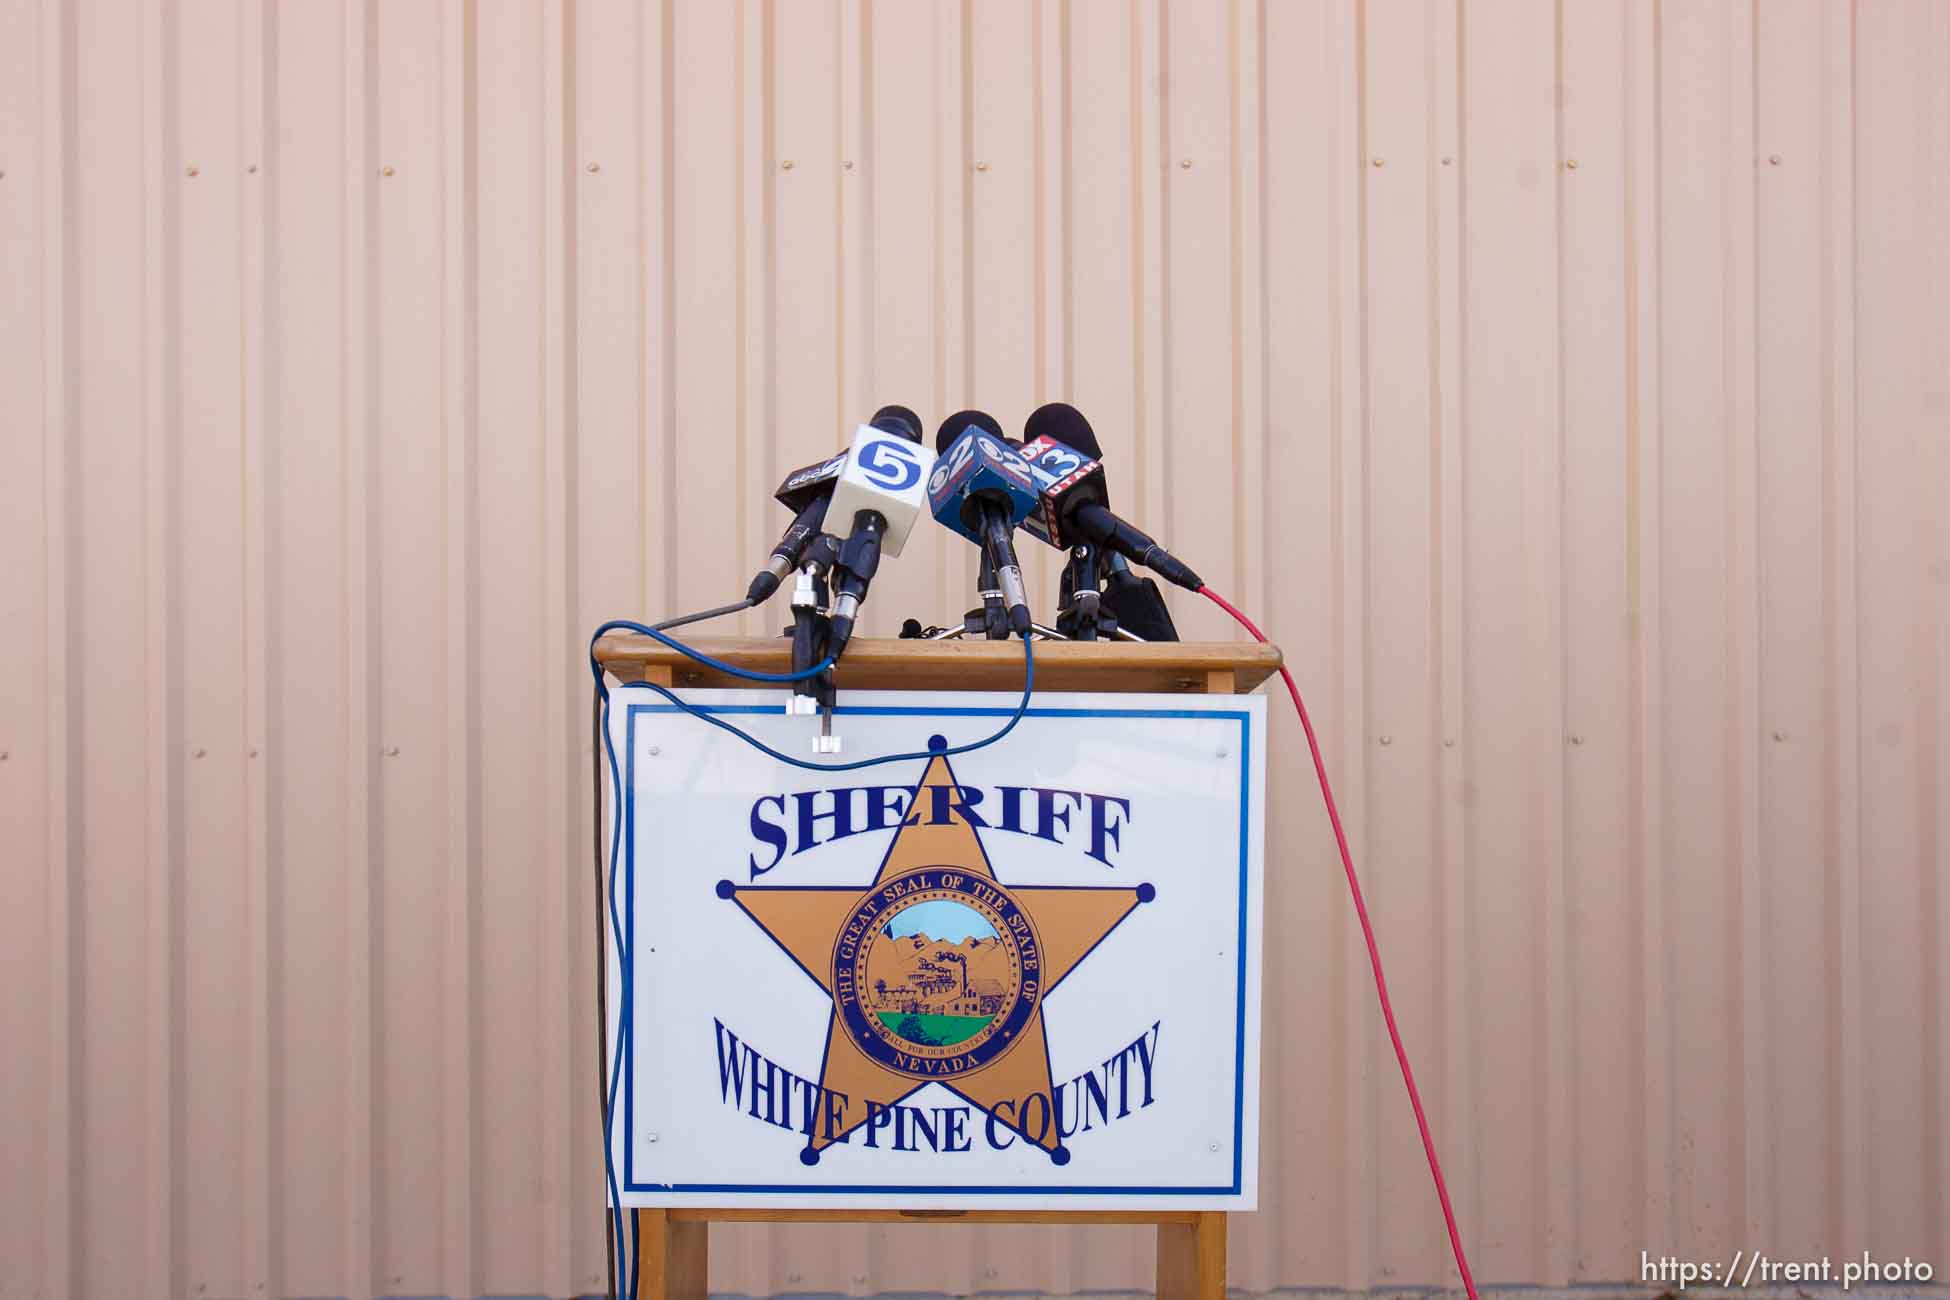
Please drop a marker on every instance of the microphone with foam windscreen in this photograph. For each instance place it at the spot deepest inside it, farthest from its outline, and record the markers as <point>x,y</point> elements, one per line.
<point>982,488</point>
<point>876,497</point>
<point>1074,501</point>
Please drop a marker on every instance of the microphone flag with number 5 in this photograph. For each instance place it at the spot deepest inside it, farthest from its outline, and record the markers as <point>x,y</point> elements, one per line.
<point>884,472</point>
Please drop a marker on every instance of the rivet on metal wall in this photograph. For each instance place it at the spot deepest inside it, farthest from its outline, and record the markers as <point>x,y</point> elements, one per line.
<point>1575,738</point>
<point>655,750</point>
<point>1185,163</point>
<point>198,752</point>
<point>1773,160</point>
<point>192,171</point>
<point>1387,740</point>
<point>1571,164</point>
<point>785,164</point>
<point>847,165</point>
<point>251,168</point>
<point>392,751</point>
<point>253,751</point>
<point>1779,737</point>
<point>1448,742</point>
<point>5,755</point>
<point>1447,160</point>
<point>386,170</point>
<point>1377,162</point>
<point>981,166</point>
<point>593,168</point>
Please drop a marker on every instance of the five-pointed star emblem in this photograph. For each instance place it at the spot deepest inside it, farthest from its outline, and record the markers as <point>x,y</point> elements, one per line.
<point>981,1036</point>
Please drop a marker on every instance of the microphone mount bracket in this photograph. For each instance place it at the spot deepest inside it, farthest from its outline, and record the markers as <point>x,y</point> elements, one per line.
<point>1085,618</point>
<point>811,634</point>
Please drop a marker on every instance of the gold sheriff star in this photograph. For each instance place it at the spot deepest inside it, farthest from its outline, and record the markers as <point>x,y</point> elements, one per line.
<point>937,971</point>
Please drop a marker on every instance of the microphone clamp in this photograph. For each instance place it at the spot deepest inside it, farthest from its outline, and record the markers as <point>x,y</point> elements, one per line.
<point>805,590</point>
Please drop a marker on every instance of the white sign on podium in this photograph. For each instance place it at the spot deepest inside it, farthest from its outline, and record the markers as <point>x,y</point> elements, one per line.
<point>1024,977</point>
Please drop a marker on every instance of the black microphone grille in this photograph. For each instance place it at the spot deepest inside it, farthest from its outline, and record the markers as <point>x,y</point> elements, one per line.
<point>961,422</point>
<point>897,419</point>
<point>1065,423</point>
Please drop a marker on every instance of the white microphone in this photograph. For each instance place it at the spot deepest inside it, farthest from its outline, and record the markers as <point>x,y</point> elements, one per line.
<point>880,492</point>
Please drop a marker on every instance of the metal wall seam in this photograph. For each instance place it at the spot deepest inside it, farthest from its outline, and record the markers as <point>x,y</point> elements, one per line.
<point>1644,160</point>
<point>1348,756</point>
<point>60,1261</point>
<point>160,207</point>
<point>1744,617</point>
<point>459,270</point>
<point>1452,1050</point>
<point>262,1214</point>
<point>1842,721</point>
<point>358,347</point>
<point>566,1130</point>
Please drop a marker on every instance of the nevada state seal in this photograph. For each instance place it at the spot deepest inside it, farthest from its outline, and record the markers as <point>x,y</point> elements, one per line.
<point>937,972</point>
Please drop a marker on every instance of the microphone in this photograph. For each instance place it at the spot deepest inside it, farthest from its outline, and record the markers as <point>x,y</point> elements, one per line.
<point>1074,504</point>
<point>982,488</point>
<point>807,492</point>
<point>876,497</point>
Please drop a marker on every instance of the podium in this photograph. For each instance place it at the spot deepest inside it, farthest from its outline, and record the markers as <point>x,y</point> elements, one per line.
<point>1102,831</point>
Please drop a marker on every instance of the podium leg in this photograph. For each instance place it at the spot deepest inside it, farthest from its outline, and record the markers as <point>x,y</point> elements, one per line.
<point>1192,1259</point>
<point>676,1257</point>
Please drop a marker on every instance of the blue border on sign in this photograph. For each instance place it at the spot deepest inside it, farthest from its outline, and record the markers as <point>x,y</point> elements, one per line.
<point>628,805</point>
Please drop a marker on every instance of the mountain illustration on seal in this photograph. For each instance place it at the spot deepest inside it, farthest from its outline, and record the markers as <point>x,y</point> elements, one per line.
<point>936,992</point>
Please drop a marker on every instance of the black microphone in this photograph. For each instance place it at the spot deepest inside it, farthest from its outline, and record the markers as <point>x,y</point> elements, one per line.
<point>1061,445</point>
<point>982,488</point>
<point>961,422</point>
<point>880,487</point>
<point>807,491</point>
<point>895,418</point>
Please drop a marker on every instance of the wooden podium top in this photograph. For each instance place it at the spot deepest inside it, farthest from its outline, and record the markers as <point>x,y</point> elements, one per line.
<point>888,663</point>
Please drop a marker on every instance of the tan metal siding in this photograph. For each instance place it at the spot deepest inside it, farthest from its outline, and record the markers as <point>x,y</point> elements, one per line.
<point>1563,382</point>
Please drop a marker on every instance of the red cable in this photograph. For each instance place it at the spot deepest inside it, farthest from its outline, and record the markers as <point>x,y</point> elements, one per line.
<point>1374,953</point>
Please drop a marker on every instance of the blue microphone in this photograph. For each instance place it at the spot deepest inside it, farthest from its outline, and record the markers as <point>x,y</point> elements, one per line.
<point>982,488</point>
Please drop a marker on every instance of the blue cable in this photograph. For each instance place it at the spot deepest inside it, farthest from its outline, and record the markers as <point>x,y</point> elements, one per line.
<point>1022,707</point>
<point>625,1221</point>
<point>733,670</point>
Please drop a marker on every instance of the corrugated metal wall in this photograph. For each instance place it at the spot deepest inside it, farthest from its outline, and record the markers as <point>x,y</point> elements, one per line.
<point>1565,383</point>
